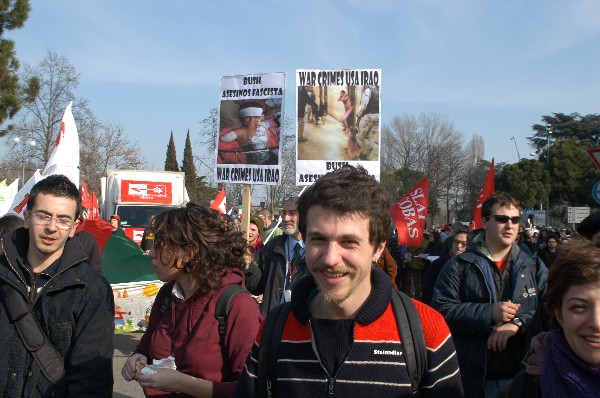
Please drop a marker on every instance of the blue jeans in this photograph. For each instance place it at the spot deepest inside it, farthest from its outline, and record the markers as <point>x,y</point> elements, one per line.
<point>493,387</point>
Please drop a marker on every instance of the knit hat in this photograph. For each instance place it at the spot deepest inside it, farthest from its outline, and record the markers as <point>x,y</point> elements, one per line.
<point>259,223</point>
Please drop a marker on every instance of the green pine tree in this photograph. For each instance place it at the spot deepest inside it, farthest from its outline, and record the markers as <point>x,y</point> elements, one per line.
<point>171,161</point>
<point>189,168</point>
<point>13,14</point>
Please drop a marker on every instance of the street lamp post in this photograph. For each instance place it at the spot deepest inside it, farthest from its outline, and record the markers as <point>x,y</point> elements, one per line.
<point>516,147</point>
<point>28,143</point>
<point>549,131</point>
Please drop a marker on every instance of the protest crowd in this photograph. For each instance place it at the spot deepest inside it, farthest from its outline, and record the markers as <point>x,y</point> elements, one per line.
<point>339,292</point>
<point>499,311</point>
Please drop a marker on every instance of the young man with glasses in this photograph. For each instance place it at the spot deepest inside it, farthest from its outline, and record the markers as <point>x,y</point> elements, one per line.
<point>489,295</point>
<point>72,304</point>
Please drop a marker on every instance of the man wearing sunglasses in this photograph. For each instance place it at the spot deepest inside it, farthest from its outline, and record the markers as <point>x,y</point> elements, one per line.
<point>489,295</point>
<point>45,270</point>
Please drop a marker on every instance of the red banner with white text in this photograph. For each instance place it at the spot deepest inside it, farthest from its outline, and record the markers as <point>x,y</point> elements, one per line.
<point>409,214</point>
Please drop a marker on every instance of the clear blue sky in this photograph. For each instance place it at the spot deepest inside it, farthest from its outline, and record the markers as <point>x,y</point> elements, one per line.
<point>492,68</point>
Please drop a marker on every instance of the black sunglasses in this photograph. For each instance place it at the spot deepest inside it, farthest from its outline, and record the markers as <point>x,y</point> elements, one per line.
<point>501,219</point>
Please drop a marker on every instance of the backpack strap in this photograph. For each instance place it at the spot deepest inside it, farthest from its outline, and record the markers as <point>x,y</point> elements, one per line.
<point>35,340</point>
<point>221,308</point>
<point>223,303</point>
<point>412,338</point>
<point>269,347</point>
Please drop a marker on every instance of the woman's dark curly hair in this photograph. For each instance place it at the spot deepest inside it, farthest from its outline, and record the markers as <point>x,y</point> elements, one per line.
<point>198,234</point>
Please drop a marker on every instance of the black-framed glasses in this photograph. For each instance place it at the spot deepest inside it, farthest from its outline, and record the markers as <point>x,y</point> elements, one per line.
<point>502,219</point>
<point>45,219</point>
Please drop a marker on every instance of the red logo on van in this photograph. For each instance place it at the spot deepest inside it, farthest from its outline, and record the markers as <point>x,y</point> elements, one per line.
<point>146,192</point>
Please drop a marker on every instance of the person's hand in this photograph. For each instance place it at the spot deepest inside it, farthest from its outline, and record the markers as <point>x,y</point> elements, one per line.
<point>498,340</point>
<point>259,298</point>
<point>504,311</point>
<point>164,379</point>
<point>129,369</point>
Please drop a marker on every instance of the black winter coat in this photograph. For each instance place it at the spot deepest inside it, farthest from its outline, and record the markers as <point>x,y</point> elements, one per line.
<point>268,276</point>
<point>76,311</point>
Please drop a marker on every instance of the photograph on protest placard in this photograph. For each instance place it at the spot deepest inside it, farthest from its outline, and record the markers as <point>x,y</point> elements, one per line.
<point>338,121</point>
<point>248,146</point>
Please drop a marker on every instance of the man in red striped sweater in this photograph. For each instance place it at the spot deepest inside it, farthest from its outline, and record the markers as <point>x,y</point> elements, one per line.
<point>341,337</point>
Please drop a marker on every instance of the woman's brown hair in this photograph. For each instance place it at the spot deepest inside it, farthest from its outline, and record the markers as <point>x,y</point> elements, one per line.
<point>196,240</point>
<point>577,263</point>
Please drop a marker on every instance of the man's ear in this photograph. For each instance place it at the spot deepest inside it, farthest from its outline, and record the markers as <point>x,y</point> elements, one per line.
<point>26,218</point>
<point>73,228</point>
<point>378,251</point>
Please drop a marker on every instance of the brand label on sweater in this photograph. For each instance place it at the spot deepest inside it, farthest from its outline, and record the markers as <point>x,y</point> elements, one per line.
<point>377,352</point>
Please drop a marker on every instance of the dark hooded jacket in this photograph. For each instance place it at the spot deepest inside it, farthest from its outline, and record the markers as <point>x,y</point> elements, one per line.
<point>75,308</point>
<point>463,293</point>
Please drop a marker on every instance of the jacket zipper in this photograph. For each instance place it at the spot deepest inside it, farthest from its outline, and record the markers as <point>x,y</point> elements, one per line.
<point>330,379</point>
<point>30,290</point>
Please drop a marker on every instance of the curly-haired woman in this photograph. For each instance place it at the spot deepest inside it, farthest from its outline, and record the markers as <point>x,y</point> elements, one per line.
<point>198,256</point>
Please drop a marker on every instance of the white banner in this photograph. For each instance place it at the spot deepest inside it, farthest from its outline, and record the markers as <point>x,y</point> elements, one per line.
<point>337,119</point>
<point>248,149</point>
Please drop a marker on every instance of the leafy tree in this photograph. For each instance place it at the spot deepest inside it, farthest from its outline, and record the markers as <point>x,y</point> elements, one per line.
<point>171,160</point>
<point>189,168</point>
<point>204,193</point>
<point>13,14</point>
<point>528,180</point>
<point>584,128</point>
<point>572,173</point>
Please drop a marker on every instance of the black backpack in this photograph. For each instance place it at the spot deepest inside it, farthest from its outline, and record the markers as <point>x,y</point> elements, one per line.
<point>221,309</point>
<point>410,329</point>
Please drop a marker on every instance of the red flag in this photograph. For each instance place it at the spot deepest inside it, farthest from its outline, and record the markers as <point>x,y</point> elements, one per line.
<point>486,190</point>
<point>220,202</point>
<point>94,213</point>
<point>409,214</point>
<point>99,229</point>
<point>85,196</point>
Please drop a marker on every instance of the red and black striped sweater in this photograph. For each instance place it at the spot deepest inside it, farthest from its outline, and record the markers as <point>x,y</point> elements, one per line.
<point>313,363</point>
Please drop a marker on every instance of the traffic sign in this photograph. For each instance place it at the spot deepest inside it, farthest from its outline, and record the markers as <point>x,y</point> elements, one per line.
<point>595,155</point>
<point>539,217</point>
<point>596,192</point>
<point>577,214</point>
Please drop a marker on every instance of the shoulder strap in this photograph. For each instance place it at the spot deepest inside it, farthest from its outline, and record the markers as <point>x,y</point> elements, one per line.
<point>223,303</point>
<point>412,338</point>
<point>51,363</point>
<point>269,347</point>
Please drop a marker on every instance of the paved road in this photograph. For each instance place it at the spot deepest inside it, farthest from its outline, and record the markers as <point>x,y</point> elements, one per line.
<point>124,346</point>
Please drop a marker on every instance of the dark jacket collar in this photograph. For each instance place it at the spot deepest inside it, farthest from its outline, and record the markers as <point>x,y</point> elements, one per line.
<point>373,308</point>
<point>16,244</point>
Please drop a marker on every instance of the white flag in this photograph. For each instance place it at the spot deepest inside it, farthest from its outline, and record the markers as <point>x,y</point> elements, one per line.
<point>19,202</point>
<point>7,195</point>
<point>64,159</point>
<point>2,185</point>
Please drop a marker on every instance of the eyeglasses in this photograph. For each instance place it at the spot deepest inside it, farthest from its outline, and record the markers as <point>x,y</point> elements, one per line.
<point>502,219</point>
<point>460,242</point>
<point>45,219</point>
